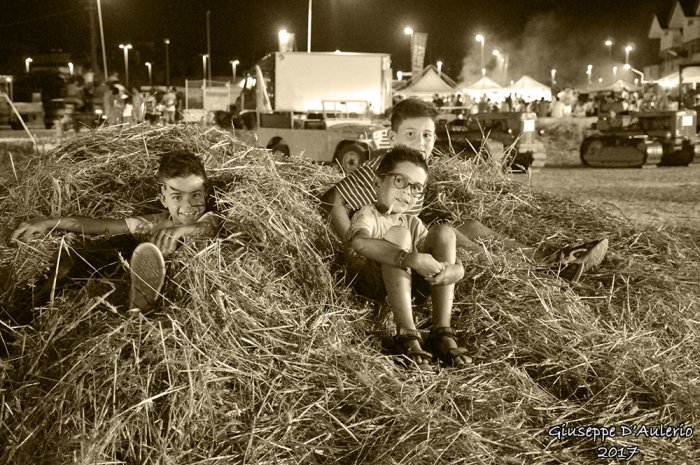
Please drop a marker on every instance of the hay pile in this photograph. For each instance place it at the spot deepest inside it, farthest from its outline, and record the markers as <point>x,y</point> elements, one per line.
<point>262,355</point>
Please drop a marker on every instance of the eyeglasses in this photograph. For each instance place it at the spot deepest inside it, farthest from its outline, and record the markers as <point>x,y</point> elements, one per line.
<point>401,182</point>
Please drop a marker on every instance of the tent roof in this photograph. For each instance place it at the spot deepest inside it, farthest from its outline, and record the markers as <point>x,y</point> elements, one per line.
<point>617,86</point>
<point>690,75</point>
<point>482,84</point>
<point>429,82</point>
<point>527,83</point>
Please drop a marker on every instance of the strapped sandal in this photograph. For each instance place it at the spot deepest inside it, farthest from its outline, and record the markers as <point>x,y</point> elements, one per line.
<point>405,335</point>
<point>449,357</point>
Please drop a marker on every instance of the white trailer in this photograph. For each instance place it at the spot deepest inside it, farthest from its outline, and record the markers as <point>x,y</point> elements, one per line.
<point>320,104</point>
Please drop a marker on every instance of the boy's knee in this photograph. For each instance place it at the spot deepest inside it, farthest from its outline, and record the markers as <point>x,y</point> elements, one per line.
<point>442,233</point>
<point>399,236</point>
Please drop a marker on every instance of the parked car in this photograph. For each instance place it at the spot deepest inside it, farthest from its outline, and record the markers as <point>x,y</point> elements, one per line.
<point>664,138</point>
<point>513,133</point>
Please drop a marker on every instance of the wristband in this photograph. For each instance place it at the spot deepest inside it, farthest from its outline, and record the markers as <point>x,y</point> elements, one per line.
<point>402,258</point>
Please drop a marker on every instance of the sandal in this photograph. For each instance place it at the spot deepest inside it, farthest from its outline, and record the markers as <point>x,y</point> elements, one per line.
<point>406,335</point>
<point>449,357</point>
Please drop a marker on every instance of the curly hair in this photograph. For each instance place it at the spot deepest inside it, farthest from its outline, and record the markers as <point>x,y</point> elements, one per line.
<point>411,108</point>
<point>180,164</point>
<point>401,153</point>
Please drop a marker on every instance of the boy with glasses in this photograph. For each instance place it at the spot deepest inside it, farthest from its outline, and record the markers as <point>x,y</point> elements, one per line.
<point>401,255</point>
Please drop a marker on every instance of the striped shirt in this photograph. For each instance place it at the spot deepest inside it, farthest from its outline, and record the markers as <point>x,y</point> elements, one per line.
<point>358,187</point>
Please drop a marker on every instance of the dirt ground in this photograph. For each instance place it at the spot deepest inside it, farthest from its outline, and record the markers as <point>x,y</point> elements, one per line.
<point>668,196</point>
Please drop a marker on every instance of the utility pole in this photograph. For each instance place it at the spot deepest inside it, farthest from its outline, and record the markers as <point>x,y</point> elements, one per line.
<point>208,48</point>
<point>93,38</point>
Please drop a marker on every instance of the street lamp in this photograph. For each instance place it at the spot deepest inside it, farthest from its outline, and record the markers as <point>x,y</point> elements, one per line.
<point>589,72</point>
<point>167,63</point>
<point>126,63</point>
<point>439,65</point>
<point>102,35</point>
<point>70,68</point>
<point>150,75</point>
<point>554,74</point>
<point>609,43</point>
<point>204,68</point>
<point>628,49</point>
<point>627,66</point>
<point>26,63</point>
<point>283,40</point>
<point>614,73</point>
<point>233,65</point>
<point>480,38</point>
<point>409,32</point>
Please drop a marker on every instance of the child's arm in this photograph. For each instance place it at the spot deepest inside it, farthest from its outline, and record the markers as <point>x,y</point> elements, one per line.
<point>387,253</point>
<point>78,224</point>
<point>334,205</point>
<point>166,238</point>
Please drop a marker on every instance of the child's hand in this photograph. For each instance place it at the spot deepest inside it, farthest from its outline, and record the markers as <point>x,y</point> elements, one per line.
<point>424,264</point>
<point>449,275</point>
<point>28,229</point>
<point>166,239</point>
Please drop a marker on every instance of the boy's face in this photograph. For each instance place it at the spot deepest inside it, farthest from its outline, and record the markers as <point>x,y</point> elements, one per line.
<point>185,198</point>
<point>417,133</point>
<point>404,173</point>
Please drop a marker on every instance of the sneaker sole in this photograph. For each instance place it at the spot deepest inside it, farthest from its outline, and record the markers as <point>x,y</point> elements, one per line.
<point>593,257</point>
<point>147,276</point>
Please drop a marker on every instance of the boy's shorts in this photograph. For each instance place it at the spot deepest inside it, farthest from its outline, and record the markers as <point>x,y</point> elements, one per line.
<point>368,282</point>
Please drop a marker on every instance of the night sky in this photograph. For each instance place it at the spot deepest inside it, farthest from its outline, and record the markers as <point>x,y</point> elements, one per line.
<point>539,35</point>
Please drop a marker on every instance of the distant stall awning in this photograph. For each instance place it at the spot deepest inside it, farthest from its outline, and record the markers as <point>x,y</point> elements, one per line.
<point>529,89</point>
<point>691,75</point>
<point>428,83</point>
<point>617,86</point>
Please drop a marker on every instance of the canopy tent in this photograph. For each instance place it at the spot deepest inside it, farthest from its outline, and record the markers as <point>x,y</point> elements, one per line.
<point>529,89</point>
<point>691,75</point>
<point>484,86</point>
<point>428,83</point>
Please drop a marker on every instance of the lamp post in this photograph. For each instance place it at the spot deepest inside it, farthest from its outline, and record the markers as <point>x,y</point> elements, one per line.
<point>554,74</point>
<point>609,43</point>
<point>439,65</point>
<point>150,74</point>
<point>102,35</point>
<point>9,83</point>
<point>614,73</point>
<point>167,63</point>
<point>308,37</point>
<point>208,50</point>
<point>204,68</point>
<point>283,40</point>
<point>628,49</point>
<point>26,63</point>
<point>590,72</point>
<point>233,66</point>
<point>409,32</point>
<point>70,68</point>
<point>627,66</point>
<point>126,63</point>
<point>480,38</point>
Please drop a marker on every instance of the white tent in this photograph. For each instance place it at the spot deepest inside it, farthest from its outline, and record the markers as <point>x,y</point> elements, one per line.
<point>484,86</point>
<point>691,75</point>
<point>529,89</point>
<point>428,83</point>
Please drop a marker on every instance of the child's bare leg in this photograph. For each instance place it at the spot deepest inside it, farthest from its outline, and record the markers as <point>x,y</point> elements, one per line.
<point>397,282</point>
<point>472,230</point>
<point>441,244</point>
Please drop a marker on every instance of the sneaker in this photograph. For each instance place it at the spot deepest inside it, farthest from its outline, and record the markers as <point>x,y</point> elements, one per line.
<point>147,276</point>
<point>573,261</point>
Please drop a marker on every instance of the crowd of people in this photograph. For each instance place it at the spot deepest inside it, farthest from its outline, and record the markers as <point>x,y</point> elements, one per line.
<point>121,105</point>
<point>569,102</point>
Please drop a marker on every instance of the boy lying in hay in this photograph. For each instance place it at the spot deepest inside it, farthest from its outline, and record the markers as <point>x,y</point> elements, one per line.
<point>183,192</point>
<point>413,124</point>
<point>395,244</point>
